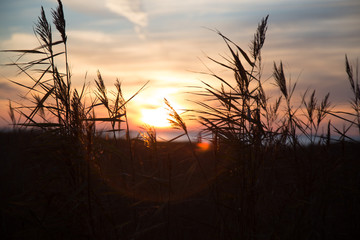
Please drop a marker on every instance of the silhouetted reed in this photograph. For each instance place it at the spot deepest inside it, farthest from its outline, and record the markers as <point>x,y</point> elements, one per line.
<point>259,180</point>
<point>251,132</point>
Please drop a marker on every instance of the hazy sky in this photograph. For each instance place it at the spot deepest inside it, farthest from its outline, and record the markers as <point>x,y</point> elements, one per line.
<point>166,42</point>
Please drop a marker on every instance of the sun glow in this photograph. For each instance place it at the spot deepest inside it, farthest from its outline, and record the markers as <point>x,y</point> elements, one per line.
<point>155,117</point>
<point>154,112</point>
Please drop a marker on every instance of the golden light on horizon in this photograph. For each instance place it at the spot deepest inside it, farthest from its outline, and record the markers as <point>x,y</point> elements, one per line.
<point>154,112</point>
<point>155,117</point>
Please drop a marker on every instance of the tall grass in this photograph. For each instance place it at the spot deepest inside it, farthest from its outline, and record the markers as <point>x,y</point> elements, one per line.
<point>67,115</point>
<point>260,180</point>
<point>252,132</point>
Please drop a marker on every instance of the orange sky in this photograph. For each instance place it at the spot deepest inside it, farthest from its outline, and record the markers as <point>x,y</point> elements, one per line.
<point>166,42</point>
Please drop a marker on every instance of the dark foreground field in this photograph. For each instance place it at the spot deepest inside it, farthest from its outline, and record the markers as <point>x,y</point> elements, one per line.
<point>257,181</point>
<point>48,191</point>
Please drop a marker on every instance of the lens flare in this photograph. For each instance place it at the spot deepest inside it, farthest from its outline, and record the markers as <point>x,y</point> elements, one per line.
<point>203,146</point>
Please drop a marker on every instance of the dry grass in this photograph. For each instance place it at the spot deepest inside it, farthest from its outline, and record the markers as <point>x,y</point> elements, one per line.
<point>258,180</point>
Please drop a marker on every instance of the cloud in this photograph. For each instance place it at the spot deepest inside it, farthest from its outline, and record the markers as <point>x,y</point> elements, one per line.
<point>6,87</point>
<point>6,91</point>
<point>93,7</point>
<point>90,36</point>
<point>20,41</point>
<point>131,9</point>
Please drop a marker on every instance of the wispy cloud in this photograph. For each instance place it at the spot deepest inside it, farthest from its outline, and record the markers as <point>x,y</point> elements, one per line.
<point>90,36</point>
<point>7,91</point>
<point>19,41</point>
<point>130,9</point>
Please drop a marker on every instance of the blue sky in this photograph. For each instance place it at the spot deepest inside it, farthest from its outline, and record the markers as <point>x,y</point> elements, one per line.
<point>166,42</point>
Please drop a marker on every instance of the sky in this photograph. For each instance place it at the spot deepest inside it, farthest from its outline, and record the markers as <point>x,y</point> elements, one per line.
<point>167,43</point>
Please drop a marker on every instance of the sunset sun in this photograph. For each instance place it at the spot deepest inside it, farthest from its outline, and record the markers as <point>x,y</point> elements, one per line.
<point>154,112</point>
<point>155,117</point>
